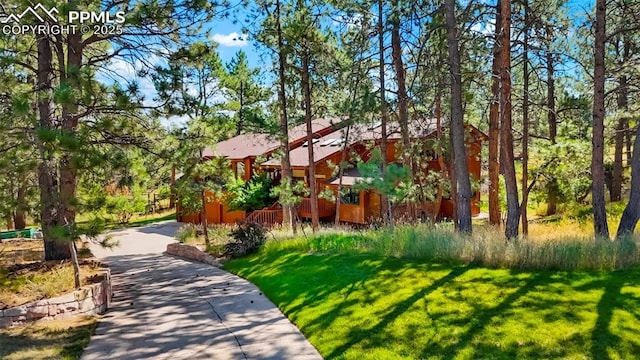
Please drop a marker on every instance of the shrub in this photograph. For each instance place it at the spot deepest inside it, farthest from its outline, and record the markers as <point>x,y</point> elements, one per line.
<point>247,238</point>
<point>248,196</point>
<point>186,233</point>
<point>124,206</point>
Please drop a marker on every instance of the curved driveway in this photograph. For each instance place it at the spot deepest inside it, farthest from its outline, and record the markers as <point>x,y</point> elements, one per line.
<point>168,308</point>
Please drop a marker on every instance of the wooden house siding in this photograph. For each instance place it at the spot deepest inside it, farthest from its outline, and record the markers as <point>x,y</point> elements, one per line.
<point>369,207</point>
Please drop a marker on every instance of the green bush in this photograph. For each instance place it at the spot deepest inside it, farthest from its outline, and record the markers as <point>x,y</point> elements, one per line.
<point>247,238</point>
<point>251,195</point>
<point>186,233</point>
<point>124,206</point>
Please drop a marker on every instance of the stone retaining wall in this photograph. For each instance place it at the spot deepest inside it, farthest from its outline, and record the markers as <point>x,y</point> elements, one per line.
<point>191,252</point>
<point>89,300</point>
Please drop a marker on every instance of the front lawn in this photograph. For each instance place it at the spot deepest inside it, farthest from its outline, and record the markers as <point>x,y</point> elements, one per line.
<point>57,339</point>
<point>367,306</point>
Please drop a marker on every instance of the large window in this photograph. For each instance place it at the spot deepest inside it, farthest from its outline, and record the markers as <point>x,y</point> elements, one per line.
<point>350,197</point>
<point>240,170</point>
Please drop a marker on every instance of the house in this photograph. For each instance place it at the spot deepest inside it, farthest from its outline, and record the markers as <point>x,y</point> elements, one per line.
<point>243,151</point>
<point>330,144</point>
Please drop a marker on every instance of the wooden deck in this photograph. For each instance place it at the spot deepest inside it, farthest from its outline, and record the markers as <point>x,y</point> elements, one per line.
<point>325,208</point>
<point>266,216</point>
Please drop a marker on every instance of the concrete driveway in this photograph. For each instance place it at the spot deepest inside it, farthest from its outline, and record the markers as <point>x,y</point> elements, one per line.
<point>168,308</point>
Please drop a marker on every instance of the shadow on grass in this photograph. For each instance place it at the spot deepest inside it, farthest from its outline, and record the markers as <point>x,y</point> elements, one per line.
<point>591,314</point>
<point>612,299</point>
<point>38,341</point>
<point>357,334</point>
<point>483,317</point>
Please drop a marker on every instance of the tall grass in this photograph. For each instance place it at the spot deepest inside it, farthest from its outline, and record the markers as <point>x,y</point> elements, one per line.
<point>486,247</point>
<point>26,286</point>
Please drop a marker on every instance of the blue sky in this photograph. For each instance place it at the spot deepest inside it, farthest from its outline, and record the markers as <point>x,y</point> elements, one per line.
<point>230,38</point>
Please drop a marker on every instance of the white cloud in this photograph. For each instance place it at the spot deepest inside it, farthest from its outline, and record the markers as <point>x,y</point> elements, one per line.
<point>174,121</point>
<point>486,29</point>
<point>232,40</point>
<point>125,72</point>
<point>350,21</point>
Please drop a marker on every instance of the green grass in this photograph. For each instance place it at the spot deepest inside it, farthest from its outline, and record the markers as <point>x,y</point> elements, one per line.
<point>111,223</point>
<point>47,340</point>
<point>148,219</point>
<point>486,247</point>
<point>366,306</point>
<point>137,221</point>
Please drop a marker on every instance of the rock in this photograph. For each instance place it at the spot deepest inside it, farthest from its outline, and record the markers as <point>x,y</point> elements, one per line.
<point>86,305</point>
<point>16,311</point>
<point>5,321</point>
<point>37,312</point>
<point>82,294</point>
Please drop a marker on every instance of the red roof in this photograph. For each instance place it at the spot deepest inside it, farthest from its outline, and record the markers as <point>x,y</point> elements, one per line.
<point>323,148</point>
<point>243,146</point>
<point>256,144</point>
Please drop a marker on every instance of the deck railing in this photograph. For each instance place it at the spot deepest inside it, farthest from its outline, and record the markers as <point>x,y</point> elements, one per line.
<point>325,208</point>
<point>266,216</point>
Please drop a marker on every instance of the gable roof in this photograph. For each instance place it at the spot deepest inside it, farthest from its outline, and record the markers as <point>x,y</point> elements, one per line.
<point>350,177</point>
<point>322,148</point>
<point>256,144</point>
<point>243,146</point>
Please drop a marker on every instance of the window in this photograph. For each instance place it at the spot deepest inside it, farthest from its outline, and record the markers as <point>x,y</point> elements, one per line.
<point>240,170</point>
<point>350,197</point>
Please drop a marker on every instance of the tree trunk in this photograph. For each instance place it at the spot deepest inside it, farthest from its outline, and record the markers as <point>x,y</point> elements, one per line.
<point>506,136</point>
<point>525,122</point>
<point>494,128</point>
<point>203,213</point>
<point>203,220</point>
<point>288,210</point>
<point>384,200</point>
<point>403,98</point>
<point>172,193</point>
<point>631,213</point>
<point>601,228</point>
<point>453,193</point>
<point>441,164</point>
<point>68,169</point>
<point>19,215</point>
<point>76,265</point>
<point>54,248</point>
<point>343,158</point>
<point>616,174</point>
<point>240,111</point>
<point>306,87</point>
<point>552,187</point>
<point>457,123</point>
<point>629,140</point>
<point>621,128</point>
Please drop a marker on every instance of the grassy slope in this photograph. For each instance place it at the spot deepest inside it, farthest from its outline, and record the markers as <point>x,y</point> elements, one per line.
<point>356,306</point>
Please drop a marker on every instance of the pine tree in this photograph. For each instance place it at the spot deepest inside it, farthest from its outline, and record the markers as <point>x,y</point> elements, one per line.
<point>601,228</point>
<point>463,183</point>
